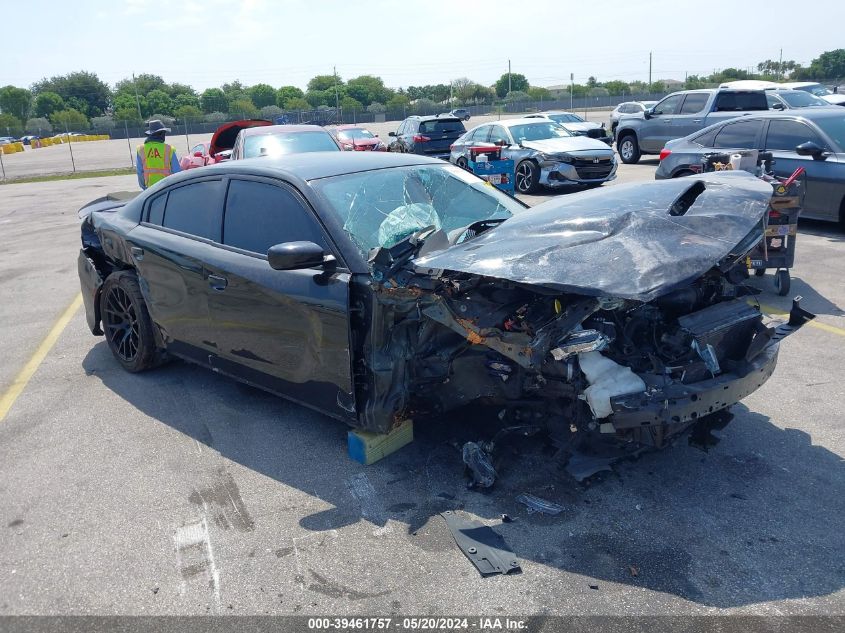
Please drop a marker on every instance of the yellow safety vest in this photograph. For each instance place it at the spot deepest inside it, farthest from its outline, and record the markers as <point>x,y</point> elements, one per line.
<point>155,160</point>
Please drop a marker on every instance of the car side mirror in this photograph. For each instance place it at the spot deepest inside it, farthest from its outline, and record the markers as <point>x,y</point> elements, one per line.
<point>197,154</point>
<point>777,106</point>
<point>647,114</point>
<point>811,149</point>
<point>297,255</point>
<point>391,133</point>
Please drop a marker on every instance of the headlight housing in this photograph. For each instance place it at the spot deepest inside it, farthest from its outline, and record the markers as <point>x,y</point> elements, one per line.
<point>556,158</point>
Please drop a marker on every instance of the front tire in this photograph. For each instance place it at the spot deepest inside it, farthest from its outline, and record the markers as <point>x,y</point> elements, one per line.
<point>527,177</point>
<point>628,149</point>
<point>127,323</point>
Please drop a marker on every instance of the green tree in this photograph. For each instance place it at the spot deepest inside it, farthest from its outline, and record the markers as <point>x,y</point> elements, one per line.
<point>297,103</point>
<point>262,95</point>
<point>126,101</point>
<point>69,120</point>
<point>189,112</point>
<point>617,87</point>
<point>234,91</point>
<point>39,125</point>
<point>539,94</point>
<point>656,87</point>
<point>82,85</point>
<point>103,123</point>
<point>694,82</point>
<point>144,83</point>
<point>159,101</point>
<point>320,97</point>
<point>270,112</point>
<point>350,103</point>
<point>518,82</point>
<point>184,99</point>
<point>398,101</point>
<point>324,82</point>
<point>176,89</point>
<point>129,115</point>
<point>591,82</point>
<point>368,88</point>
<point>48,102</point>
<point>285,93</point>
<point>17,101</point>
<point>243,107</point>
<point>213,100</point>
<point>376,108</point>
<point>830,65</point>
<point>10,124</point>
<point>424,106</point>
<point>517,96</point>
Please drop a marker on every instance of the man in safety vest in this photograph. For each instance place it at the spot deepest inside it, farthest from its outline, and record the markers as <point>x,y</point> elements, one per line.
<point>156,159</point>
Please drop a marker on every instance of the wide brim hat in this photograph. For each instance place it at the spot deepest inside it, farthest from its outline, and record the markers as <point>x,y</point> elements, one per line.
<point>155,126</point>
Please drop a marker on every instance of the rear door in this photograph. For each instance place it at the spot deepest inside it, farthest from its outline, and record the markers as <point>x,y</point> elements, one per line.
<point>658,129</point>
<point>823,179</point>
<point>441,133</point>
<point>177,233</point>
<point>690,117</point>
<point>285,330</point>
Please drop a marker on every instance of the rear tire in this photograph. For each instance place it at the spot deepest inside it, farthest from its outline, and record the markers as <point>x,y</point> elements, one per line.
<point>127,323</point>
<point>527,177</point>
<point>462,162</point>
<point>629,150</point>
<point>759,272</point>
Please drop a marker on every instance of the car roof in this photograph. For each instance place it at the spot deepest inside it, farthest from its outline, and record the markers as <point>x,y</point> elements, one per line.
<point>800,113</point>
<point>519,121</point>
<point>350,126</point>
<point>796,84</point>
<point>557,112</point>
<point>280,129</point>
<point>314,165</point>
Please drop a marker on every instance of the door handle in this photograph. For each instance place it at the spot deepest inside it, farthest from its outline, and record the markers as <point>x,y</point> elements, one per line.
<point>137,253</point>
<point>217,283</point>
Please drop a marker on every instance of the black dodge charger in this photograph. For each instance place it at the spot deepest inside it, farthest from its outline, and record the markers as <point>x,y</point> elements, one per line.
<point>379,287</point>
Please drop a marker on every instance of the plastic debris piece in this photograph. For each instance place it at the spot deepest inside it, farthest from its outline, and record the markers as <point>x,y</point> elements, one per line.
<point>482,545</point>
<point>536,504</point>
<point>479,462</point>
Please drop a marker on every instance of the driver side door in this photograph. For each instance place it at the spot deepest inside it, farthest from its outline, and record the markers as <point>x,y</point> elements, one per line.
<point>659,128</point>
<point>285,330</point>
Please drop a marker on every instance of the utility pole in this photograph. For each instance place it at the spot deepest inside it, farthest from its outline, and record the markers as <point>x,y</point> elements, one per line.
<point>649,71</point>
<point>780,65</point>
<point>509,76</point>
<point>336,98</point>
<point>571,88</point>
<point>137,100</point>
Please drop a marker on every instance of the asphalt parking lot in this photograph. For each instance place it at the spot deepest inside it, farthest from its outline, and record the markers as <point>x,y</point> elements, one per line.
<point>179,491</point>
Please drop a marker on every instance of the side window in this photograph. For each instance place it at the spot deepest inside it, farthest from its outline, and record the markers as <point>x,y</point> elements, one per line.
<point>401,129</point>
<point>741,135</point>
<point>155,213</point>
<point>669,105</point>
<point>260,215</point>
<point>198,148</point>
<point>707,139</point>
<point>787,135</point>
<point>694,102</point>
<point>771,100</point>
<point>196,209</point>
<point>480,134</point>
<point>498,134</point>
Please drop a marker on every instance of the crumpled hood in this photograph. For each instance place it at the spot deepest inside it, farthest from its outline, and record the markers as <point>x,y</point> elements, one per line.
<point>621,241</point>
<point>567,144</point>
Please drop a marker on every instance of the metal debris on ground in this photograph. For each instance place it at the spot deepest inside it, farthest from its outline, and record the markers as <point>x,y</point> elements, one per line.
<point>536,504</point>
<point>485,548</point>
<point>479,461</point>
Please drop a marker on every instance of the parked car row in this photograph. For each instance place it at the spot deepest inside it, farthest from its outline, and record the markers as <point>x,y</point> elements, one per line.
<point>809,138</point>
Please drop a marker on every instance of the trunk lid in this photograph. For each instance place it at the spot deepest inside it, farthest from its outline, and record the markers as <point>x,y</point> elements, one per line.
<point>224,137</point>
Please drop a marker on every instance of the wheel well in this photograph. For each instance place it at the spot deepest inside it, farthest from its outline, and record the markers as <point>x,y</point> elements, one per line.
<point>626,132</point>
<point>683,172</point>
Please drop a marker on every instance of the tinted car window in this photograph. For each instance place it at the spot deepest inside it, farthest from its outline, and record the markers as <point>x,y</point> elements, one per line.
<point>669,105</point>
<point>196,209</point>
<point>786,135</point>
<point>834,127</point>
<point>694,102</point>
<point>442,126</point>
<point>801,99</point>
<point>741,135</point>
<point>708,138</point>
<point>739,101</point>
<point>260,215</point>
<point>156,210</point>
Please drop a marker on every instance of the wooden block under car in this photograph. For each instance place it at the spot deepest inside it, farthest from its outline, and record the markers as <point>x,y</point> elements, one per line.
<point>367,447</point>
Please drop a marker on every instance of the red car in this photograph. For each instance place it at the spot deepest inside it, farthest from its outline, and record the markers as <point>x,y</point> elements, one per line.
<point>220,147</point>
<point>357,138</point>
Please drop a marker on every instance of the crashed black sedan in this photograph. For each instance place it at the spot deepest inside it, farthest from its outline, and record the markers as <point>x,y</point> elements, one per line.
<point>382,287</point>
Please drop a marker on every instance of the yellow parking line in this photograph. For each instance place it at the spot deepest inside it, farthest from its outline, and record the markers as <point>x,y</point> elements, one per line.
<point>22,379</point>
<point>771,310</point>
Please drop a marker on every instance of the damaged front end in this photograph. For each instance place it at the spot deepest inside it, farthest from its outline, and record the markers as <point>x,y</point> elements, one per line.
<point>619,314</point>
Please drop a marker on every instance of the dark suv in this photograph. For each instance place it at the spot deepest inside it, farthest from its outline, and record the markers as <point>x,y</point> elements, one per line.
<point>429,135</point>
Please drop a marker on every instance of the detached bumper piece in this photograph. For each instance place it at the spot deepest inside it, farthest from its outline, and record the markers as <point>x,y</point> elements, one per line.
<point>482,546</point>
<point>682,403</point>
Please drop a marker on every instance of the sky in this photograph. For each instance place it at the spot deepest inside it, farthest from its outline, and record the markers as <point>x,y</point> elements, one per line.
<point>205,43</point>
